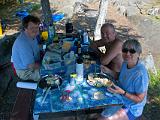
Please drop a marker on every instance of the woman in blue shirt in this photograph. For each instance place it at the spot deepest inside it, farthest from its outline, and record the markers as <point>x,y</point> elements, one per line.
<point>25,50</point>
<point>132,84</point>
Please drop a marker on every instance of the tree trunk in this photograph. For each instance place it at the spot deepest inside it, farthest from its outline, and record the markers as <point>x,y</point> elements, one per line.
<point>101,18</point>
<point>47,15</point>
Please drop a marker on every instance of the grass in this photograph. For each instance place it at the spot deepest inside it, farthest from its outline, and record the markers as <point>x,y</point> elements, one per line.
<point>35,6</point>
<point>154,86</point>
<point>154,18</point>
<point>152,108</point>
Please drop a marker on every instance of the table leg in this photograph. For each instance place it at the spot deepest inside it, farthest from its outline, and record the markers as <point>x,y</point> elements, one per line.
<point>35,116</point>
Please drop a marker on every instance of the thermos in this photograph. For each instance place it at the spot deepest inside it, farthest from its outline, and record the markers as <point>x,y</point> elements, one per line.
<point>69,27</point>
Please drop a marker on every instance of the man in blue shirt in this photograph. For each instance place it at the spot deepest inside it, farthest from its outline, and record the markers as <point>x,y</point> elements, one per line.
<point>25,50</point>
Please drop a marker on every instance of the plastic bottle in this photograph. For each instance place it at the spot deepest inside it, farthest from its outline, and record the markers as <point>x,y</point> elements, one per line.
<point>85,38</point>
<point>51,33</point>
<point>79,70</point>
<point>56,39</point>
<point>73,79</point>
<point>79,51</point>
<point>44,33</point>
<point>1,33</point>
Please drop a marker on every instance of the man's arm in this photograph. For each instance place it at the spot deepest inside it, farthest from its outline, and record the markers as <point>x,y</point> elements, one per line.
<point>94,46</point>
<point>34,66</point>
<point>116,48</point>
<point>105,69</point>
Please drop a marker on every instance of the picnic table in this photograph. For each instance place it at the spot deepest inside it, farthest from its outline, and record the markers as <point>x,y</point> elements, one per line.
<point>81,97</point>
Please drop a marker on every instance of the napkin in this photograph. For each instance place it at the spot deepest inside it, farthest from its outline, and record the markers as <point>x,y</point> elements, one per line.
<point>27,85</point>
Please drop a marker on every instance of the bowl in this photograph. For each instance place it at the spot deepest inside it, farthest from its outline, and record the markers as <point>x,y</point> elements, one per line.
<point>50,80</point>
<point>99,80</point>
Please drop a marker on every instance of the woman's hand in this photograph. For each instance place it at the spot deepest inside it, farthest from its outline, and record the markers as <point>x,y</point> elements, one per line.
<point>116,89</point>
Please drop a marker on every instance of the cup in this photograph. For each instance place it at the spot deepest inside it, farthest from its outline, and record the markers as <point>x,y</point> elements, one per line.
<point>44,35</point>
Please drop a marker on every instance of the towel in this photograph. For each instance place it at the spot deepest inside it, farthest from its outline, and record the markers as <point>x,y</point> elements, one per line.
<point>27,85</point>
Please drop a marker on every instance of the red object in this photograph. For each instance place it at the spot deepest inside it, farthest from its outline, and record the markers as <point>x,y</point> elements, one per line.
<point>68,91</point>
<point>14,70</point>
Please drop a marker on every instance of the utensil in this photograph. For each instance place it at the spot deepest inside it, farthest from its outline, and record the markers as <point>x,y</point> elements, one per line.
<point>44,98</point>
<point>58,87</point>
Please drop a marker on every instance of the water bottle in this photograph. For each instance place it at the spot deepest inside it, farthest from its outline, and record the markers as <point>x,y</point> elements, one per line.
<point>79,70</point>
<point>51,33</point>
<point>85,38</point>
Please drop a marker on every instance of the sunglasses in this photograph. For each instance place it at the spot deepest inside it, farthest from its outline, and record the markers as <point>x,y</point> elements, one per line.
<point>126,50</point>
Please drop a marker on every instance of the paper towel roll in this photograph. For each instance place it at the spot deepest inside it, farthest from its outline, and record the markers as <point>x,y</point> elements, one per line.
<point>27,85</point>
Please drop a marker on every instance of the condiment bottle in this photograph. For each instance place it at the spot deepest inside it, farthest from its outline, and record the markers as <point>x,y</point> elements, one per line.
<point>73,79</point>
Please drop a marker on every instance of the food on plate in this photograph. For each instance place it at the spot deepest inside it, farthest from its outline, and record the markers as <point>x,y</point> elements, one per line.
<point>98,95</point>
<point>97,80</point>
<point>53,80</point>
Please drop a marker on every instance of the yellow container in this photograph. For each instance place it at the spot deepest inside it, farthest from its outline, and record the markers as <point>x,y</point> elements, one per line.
<point>1,33</point>
<point>44,35</point>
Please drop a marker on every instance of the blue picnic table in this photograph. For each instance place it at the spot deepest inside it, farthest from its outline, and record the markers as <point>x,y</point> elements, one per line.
<point>81,96</point>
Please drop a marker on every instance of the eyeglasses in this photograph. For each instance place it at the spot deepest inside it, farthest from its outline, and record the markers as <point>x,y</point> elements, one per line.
<point>126,50</point>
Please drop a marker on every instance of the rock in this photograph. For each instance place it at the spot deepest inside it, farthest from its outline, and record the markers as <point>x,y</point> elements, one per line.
<point>87,1</point>
<point>64,6</point>
<point>91,13</point>
<point>122,10</point>
<point>131,11</point>
<point>79,7</point>
<point>153,11</point>
<point>148,61</point>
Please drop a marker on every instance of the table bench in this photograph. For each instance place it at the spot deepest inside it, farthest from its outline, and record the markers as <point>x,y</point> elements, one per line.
<point>5,69</point>
<point>22,108</point>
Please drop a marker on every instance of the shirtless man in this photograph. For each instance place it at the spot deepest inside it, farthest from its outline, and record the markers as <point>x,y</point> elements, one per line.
<point>111,60</point>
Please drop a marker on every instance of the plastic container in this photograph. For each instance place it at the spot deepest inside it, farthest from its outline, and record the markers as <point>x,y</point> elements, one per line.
<point>57,17</point>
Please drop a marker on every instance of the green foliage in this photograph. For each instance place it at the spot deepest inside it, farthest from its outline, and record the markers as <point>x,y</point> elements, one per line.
<point>155,18</point>
<point>153,104</point>
<point>154,86</point>
<point>35,6</point>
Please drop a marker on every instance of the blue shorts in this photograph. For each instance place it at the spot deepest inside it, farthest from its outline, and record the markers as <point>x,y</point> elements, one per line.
<point>129,114</point>
<point>111,110</point>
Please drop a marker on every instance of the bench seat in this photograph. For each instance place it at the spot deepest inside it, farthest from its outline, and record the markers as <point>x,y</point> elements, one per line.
<point>22,108</point>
